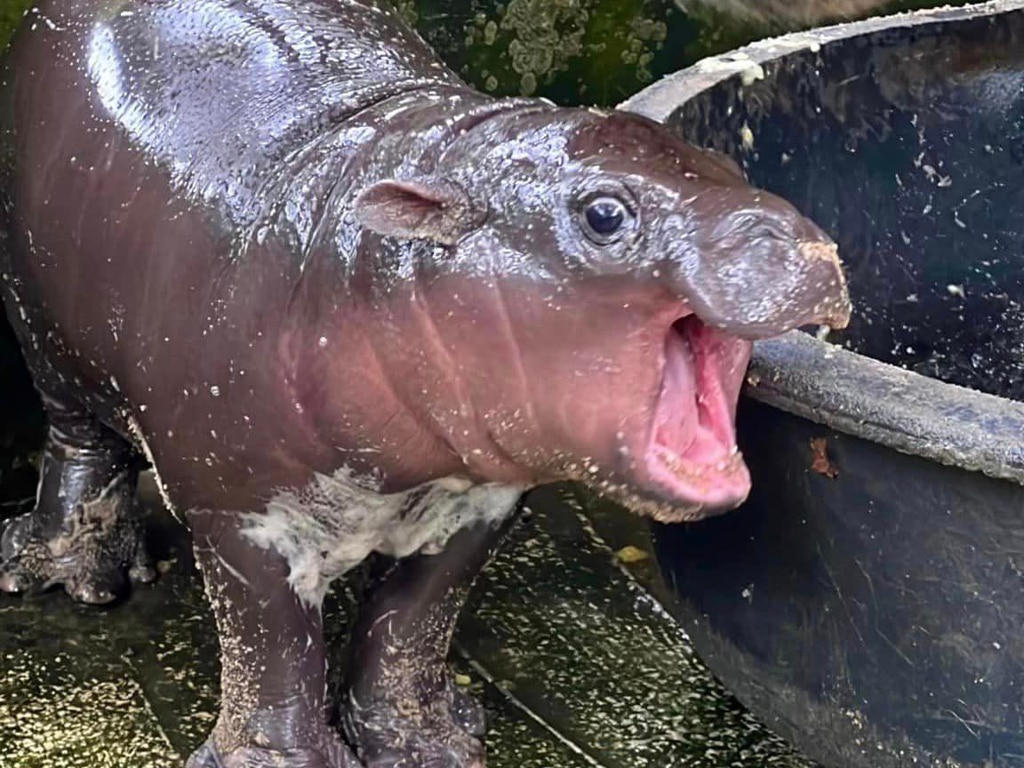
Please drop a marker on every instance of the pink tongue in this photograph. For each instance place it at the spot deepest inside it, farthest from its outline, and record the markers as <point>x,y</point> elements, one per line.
<point>693,419</point>
<point>692,455</point>
<point>677,413</point>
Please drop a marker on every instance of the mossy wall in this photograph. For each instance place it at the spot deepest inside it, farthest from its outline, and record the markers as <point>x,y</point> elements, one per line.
<point>596,52</point>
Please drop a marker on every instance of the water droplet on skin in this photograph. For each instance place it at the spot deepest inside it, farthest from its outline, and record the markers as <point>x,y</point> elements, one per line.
<point>215,391</point>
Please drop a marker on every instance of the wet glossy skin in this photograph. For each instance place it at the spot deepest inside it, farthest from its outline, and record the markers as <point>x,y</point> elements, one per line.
<point>243,249</point>
<point>262,242</point>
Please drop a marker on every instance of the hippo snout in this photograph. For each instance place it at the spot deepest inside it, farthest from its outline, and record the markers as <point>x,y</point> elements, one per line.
<point>763,269</point>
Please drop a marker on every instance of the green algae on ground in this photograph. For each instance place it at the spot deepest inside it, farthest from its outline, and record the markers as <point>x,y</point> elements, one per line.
<point>572,51</point>
<point>585,52</point>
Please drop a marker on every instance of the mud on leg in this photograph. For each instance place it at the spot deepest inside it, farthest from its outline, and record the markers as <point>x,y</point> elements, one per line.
<point>85,531</point>
<point>273,660</point>
<point>401,706</point>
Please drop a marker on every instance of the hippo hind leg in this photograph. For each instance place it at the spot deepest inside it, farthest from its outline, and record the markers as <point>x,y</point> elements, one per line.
<point>84,532</point>
<point>401,706</point>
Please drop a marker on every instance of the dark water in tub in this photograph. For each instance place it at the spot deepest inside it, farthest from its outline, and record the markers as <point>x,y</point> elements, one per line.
<point>576,663</point>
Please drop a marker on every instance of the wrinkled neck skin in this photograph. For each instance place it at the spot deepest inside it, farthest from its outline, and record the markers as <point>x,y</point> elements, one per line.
<point>460,376</point>
<point>405,362</point>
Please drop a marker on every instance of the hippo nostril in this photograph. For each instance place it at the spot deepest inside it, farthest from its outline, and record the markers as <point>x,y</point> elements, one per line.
<point>769,231</point>
<point>753,227</point>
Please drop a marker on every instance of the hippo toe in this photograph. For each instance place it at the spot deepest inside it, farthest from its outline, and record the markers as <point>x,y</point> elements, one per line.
<point>434,737</point>
<point>334,755</point>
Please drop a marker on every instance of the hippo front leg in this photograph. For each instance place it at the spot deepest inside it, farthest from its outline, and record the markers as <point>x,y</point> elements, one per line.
<point>273,661</point>
<point>401,705</point>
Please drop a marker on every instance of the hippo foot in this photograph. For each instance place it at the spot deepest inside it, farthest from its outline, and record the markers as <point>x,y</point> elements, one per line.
<point>91,558</point>
<point>418,728</point>
<point>85,531</point>
<point>333,755</point>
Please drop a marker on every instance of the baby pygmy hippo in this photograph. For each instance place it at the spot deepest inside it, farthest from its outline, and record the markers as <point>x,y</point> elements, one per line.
<point>343,304</point>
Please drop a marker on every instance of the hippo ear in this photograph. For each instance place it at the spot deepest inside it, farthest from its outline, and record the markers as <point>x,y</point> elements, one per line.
<point>426,209</point>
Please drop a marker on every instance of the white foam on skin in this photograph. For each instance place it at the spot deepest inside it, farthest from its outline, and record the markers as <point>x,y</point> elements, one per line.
<point>338,520</point>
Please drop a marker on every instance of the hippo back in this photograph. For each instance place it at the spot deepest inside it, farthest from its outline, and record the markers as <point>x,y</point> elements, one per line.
<point>167,73</point>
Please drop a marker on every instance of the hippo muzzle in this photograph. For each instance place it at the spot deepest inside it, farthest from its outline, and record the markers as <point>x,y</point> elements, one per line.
<point>753,267</point>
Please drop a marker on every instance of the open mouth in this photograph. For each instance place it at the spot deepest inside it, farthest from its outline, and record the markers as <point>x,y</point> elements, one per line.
<point>692,456</point>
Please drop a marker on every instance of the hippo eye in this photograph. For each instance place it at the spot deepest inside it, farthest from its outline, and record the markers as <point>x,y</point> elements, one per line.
<point>604,219</point>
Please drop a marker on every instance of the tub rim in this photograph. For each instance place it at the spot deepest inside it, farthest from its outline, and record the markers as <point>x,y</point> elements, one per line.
<point>827,384</point>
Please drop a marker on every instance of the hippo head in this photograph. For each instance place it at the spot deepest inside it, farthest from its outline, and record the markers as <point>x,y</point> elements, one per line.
<point>594,284</point>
